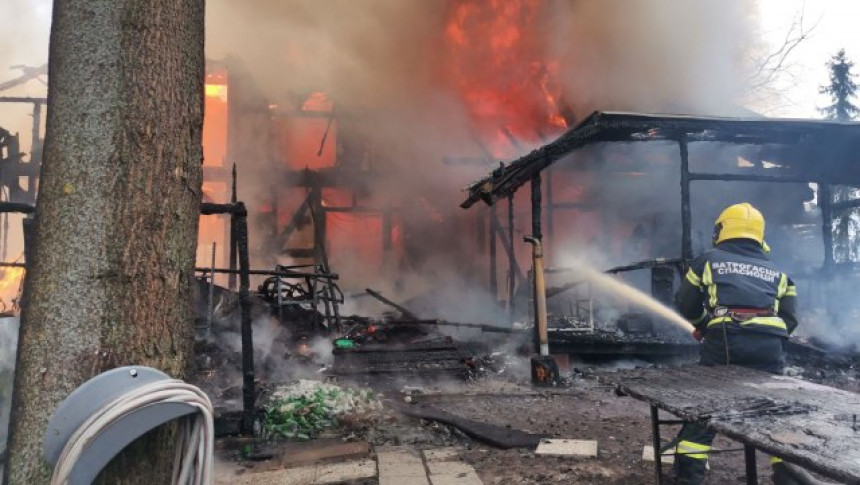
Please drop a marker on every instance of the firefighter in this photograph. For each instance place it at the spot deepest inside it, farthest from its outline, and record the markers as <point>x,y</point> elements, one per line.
<point>743,308</point>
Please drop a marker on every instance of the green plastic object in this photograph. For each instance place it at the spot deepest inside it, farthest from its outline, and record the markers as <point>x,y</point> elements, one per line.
<point>344,343</point>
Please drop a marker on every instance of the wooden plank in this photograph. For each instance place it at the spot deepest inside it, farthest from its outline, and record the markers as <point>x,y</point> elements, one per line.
<point>319,450</point>
<point>802,422</point>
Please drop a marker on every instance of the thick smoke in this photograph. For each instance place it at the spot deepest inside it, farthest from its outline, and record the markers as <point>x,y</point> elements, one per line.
<point>430,80</point>
<point>655,56</point>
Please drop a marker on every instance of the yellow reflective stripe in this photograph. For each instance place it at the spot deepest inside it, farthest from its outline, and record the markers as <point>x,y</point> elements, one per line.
<point>775,459</point>
<point>766,321</point>
<point>701,318</point>
<point>791,290</point>
<point>708,280</point>
<point>780,291</point>
<point>693,278</point>
<point>783,285</point>
<point>692,449</point>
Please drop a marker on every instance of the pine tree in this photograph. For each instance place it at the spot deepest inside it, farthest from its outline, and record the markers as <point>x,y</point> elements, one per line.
<point>842,89</point>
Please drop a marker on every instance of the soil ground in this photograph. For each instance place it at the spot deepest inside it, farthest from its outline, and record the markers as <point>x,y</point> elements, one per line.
<point>585,411</point>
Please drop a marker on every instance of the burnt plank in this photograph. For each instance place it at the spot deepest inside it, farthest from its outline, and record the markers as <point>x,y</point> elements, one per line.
<point>497,436</point>
<point>804,423</point>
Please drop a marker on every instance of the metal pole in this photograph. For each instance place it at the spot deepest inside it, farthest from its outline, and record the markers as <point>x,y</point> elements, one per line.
<point>540,295</point>
<point>749,458</point>
<point>655,442</point>
<point>248,392</point>
<point>686,229</point>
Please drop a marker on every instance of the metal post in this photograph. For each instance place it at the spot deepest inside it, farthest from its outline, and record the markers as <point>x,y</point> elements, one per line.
<point>686,229</point>
<point>749,458</point>
<point>540,296</point>
<point>655,442</point>
<point>494,283</point>
<point>248,392</point>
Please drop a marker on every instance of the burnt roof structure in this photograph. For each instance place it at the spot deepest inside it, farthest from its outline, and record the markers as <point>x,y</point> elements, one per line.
<point>823,152</point>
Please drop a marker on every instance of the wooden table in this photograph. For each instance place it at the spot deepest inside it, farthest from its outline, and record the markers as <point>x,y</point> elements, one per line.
<point>811,425</point>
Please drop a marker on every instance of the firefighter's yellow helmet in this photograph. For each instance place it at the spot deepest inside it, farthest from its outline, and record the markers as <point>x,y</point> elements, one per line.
<point>740,221</point>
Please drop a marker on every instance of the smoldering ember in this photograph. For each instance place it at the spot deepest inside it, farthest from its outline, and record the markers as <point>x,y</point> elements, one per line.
<point>451,242</point>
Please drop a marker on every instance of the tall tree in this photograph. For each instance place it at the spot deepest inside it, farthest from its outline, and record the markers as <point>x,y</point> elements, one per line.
<point>842,89</point>
<point>116,219</point>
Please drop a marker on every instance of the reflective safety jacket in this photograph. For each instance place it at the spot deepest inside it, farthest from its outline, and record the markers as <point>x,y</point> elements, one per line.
<point>735,285</point>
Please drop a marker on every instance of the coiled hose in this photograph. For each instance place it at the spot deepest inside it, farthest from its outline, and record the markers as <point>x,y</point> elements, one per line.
<point>193,462</point>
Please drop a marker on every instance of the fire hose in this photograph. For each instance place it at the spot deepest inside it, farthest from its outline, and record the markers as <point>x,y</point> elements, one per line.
<point>130,414</point>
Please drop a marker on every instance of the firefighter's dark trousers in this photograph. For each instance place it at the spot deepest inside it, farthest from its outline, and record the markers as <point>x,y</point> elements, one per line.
<point>694,443</point>
<point>748,349</point>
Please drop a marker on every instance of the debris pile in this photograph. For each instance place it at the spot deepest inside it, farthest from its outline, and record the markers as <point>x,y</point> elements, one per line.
<point>302,410</point>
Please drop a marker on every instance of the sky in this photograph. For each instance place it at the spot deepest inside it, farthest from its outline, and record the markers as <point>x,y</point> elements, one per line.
<point>830,25</point>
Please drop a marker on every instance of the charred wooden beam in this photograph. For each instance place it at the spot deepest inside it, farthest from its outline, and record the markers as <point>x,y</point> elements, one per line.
<point>282,273</point>
<point>17,207</point>
<point>513,267</point>
<point>210,208</point>
<point>232,244</point>
<point>23,99</point>
<point>825,199</point>
<point>686,224</point>
<point>443,323</point>
<point>248,392</point>
<point>507,239</point>
<point>403,310</point>
<point>738,177</point>
<point>837,207</point>
<point>653,263</point>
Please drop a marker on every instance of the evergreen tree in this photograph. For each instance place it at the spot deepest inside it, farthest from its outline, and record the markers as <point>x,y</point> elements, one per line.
<point>841,90</point>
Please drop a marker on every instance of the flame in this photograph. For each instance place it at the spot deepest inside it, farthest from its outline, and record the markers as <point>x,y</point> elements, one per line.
<point>10,284</point>
<point>501,71</point>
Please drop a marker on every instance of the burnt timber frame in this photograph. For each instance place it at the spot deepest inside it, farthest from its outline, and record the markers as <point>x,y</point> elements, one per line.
<point>830,144</point>
<point>239,219</point>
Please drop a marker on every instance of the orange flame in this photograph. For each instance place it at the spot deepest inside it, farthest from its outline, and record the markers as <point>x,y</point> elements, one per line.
<point>10,284</point>
<point>499,67</point>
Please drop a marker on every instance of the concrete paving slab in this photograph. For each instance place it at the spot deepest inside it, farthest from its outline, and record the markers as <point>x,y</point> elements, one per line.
<point>566,447</point>
<point>470,478</point>
<point>441,454</point>
<point>407,469</point>
<point>394,457</point>
<point>648,455</point>
<point>341,472</point>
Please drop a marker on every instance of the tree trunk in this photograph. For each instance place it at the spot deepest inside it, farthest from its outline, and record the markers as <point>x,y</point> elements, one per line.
<point>116,220</point>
